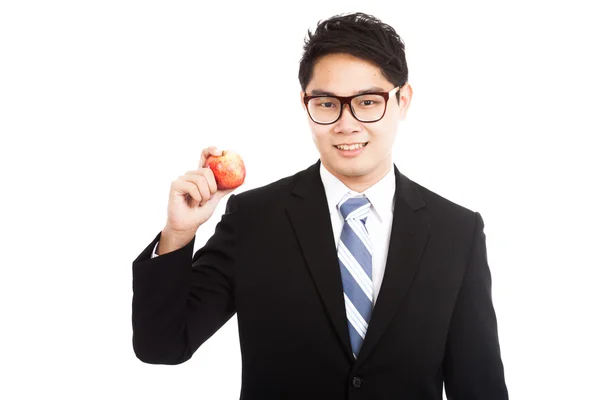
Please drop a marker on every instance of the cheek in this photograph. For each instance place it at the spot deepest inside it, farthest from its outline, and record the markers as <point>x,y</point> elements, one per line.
<point>319,134</point>
<point>384,135</point>
<point>388,128</point>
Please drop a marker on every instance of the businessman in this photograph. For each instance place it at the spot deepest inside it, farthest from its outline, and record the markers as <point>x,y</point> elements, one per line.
<point>349,280</point>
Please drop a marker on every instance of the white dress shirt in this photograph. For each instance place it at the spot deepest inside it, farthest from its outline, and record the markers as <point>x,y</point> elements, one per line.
<point>379,219</point>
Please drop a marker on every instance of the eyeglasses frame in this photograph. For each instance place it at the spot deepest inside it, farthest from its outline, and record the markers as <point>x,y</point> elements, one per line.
<point>348,100</point>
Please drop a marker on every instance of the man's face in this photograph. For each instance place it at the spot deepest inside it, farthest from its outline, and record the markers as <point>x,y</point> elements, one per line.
<point>345,75</point>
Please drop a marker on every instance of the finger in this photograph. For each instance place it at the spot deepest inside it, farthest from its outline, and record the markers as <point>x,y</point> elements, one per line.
<point>187,188</point>
<point>210,179</point>
<point>204,189</point>
<point>209,175</point>
<point>201,184</point>
<point>212,150</point>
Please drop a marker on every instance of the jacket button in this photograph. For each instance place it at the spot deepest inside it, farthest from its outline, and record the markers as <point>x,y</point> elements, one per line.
<point>356,382</point>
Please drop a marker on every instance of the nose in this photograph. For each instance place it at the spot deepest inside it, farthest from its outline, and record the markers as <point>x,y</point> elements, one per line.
<point>347,123</point>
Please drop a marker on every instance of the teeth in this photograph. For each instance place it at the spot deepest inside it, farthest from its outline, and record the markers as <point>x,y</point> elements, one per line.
<point>351,147</point>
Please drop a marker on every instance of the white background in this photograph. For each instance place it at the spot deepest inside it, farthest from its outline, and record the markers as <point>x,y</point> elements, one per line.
<point>104,103</point>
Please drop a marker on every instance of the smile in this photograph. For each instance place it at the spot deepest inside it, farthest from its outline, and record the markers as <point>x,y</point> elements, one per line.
<point>353,146</point>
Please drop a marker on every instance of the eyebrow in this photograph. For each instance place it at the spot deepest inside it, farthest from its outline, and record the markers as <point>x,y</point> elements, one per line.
<point>319,92</point>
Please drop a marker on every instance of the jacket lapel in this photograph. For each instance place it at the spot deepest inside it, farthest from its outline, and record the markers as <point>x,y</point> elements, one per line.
<point>309,215</point>
<point>410,228</point>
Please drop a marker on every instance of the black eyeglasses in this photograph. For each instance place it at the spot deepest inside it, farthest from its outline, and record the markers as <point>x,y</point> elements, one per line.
<point>365,107</point>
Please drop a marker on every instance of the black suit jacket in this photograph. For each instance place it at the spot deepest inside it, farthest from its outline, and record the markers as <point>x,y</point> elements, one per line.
<point>272,260</point>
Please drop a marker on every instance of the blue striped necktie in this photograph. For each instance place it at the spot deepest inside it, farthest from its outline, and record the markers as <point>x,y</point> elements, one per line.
<point>354,255</point>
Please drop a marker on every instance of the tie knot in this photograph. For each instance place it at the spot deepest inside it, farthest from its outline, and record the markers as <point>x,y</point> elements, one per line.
<point>354,207</point>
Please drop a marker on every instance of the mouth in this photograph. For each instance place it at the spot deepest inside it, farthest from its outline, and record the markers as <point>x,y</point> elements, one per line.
<point>350,146</point>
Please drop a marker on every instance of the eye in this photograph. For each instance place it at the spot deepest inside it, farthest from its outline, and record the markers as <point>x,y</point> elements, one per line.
<point>327,104</point>
<point>368,102</point>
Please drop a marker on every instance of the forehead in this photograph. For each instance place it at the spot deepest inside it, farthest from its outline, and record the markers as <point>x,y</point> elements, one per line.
<point>345,74</point>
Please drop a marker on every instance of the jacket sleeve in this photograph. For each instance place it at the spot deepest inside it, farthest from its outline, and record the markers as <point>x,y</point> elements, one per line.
<point>179,299</point>
<point>473,368</point>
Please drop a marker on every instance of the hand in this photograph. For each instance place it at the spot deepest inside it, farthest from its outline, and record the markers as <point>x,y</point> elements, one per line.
<point>193,197</point>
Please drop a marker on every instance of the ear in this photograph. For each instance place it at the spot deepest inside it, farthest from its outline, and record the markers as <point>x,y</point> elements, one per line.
<point>302,98</point>
<point>406,93</point>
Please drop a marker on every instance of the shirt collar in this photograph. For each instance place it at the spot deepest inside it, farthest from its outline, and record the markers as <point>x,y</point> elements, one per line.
<point>381,194</point>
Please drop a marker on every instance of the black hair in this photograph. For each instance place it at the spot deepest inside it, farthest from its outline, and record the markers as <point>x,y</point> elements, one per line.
<point>361,35</point>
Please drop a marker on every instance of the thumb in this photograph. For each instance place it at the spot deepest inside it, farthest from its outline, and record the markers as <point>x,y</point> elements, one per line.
<point>221,193</point>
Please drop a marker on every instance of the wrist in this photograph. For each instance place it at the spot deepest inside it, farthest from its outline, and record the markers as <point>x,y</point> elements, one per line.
<point>171,240</point>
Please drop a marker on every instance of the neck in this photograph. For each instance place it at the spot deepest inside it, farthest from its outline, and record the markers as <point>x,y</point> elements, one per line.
<point>360,183</point>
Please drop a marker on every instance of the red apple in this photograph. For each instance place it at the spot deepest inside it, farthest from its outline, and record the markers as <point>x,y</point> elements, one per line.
<point>228,168</point>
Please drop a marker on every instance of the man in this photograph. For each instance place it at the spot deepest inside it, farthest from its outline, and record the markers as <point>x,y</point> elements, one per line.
<point>349,280</point>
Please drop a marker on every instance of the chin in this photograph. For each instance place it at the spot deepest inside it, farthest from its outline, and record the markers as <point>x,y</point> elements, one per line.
<point>351,171</point>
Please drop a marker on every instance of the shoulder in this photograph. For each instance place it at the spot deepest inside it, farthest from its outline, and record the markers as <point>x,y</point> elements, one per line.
<point>446,211</point>
<point>438,201</point>
<point>272,194</point>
